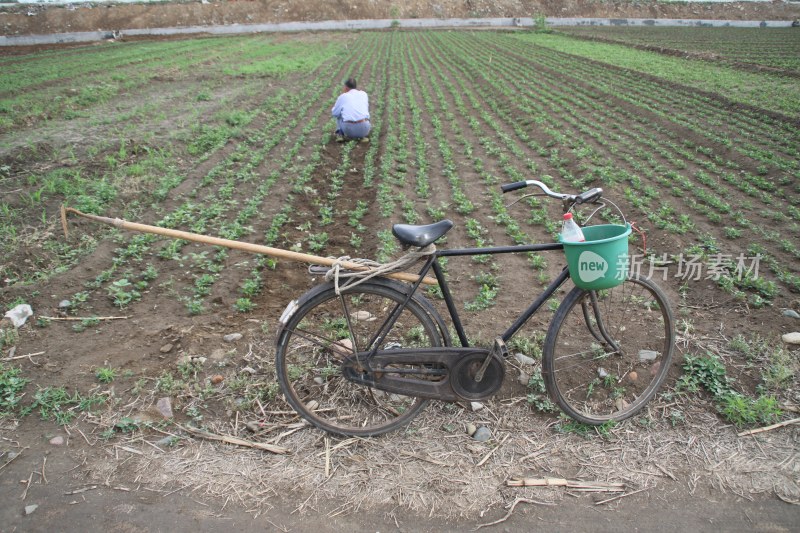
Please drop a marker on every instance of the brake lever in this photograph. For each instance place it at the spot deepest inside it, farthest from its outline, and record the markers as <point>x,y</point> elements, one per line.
<point>568,202</point>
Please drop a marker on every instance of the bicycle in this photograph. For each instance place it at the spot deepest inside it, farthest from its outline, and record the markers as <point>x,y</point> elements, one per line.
<point>348,370</point>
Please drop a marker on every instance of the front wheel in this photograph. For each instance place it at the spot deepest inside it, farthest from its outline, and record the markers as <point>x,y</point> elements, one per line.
<point>322,335</point>
<point>607,352</point>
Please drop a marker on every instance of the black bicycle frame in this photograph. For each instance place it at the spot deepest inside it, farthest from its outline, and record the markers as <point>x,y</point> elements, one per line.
<point>432,263</point>
<point>527,314</point>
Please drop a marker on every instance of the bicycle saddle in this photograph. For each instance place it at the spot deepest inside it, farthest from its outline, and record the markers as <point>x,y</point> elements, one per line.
<point>421,235</point>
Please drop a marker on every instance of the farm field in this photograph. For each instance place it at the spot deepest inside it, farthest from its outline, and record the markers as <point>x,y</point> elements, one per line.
<point>765,47</point>
<point>232,137</point>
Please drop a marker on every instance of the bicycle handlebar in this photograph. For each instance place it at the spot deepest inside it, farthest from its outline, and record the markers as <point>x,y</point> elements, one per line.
<point>590,196</point>
<point>508,187</point>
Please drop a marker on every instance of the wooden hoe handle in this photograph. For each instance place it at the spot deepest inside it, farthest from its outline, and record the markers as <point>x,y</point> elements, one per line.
<point>236,245</point>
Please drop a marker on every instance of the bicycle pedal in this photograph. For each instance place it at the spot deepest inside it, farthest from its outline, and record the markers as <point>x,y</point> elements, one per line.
<point>500,349</point>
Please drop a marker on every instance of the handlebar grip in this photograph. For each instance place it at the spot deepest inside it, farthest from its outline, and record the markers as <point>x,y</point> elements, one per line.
<point>592,195</point>
<point>508,187</point>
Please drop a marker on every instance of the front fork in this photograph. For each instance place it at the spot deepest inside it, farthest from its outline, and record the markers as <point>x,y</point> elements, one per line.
<point>598,329</point>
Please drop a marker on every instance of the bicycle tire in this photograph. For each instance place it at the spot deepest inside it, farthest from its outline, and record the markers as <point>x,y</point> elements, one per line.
<point>589,378</point>
<point>308,363</point>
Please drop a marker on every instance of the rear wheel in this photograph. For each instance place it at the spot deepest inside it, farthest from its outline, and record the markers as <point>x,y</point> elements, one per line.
<point>325,331</point>
<point>607,352</point>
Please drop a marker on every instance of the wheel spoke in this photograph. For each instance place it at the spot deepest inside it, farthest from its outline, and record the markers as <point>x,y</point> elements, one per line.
<point>608,351</point>
<point>328,328</point>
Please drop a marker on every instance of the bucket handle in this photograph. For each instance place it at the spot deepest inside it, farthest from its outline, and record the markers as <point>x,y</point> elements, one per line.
<point>625,220</point>
<point>601,206</point>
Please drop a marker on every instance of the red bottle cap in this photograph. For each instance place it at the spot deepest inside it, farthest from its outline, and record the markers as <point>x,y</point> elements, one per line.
<point>567,216</point>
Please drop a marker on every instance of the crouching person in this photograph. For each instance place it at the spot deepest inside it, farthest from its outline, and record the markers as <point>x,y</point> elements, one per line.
<point>351,112</point>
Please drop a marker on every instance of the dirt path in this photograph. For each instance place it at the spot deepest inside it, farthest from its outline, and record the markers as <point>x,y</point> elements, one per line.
<point>133,508</point>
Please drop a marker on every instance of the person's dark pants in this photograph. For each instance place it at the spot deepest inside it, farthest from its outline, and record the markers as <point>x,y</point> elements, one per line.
<point>353,130</point>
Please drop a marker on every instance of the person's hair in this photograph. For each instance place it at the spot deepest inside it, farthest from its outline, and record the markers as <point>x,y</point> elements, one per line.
<point>350,83</point>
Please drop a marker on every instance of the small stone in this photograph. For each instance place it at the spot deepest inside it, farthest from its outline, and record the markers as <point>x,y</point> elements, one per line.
<point>792,338</point>
<point>232,337</point>
<point>166,441</point>
<point>633,376</point>
<point>190,359</point>
<point>216,379</point>
<point>791,313</point>
<point>482,434</point>
<point>249,370</point>
<point>164,406</point>
<point>12,455</point>
<point>602,372</point>
<point>655,368</point>
<point>363,316</point>
<point>647,355</point>
<point>620,404</point>
<point>312,405</point>
<point>166,348</point>
<point>319,381</point>
<point>524,379</point>
<point>64,304</point>
<point>524,359</point>
<point>57,441</point>
<point>342,348</point>
<point>476,406</point>
<point>471,429</point>
<point>142,417</point>
<point>29,509</point>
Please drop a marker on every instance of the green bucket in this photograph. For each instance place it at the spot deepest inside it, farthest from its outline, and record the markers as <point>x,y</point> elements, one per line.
<point>601,261</point>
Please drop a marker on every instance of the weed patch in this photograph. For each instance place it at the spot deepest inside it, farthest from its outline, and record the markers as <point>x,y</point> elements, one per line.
<point>708,373</point>
<point>11,386</point>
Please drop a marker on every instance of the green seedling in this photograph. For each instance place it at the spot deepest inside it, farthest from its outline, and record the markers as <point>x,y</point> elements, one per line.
<point>105,374</point>
<point>244,305</point>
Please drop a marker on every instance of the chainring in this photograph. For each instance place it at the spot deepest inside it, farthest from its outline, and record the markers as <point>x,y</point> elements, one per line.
<point>462,376</point>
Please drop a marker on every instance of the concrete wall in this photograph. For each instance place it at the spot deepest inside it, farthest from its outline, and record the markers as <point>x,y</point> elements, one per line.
<point>374,24</point>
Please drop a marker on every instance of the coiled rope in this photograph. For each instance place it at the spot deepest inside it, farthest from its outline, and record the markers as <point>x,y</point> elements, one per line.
<point>356,277</point>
